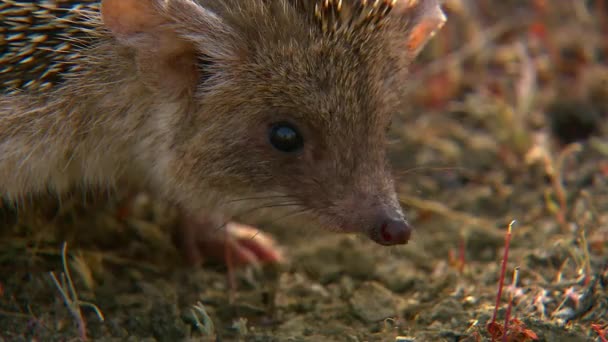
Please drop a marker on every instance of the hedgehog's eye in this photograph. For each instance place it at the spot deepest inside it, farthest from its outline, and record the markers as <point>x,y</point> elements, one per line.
<point>285,137</point>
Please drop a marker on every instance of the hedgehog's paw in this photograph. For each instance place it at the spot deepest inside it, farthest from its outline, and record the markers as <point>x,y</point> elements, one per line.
<point>199,237</point>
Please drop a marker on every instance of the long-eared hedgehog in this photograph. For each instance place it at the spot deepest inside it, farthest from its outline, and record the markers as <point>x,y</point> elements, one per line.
<point>219,106</point>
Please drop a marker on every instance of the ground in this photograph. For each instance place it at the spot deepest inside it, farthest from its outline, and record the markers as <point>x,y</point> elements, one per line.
<point>507,122</point>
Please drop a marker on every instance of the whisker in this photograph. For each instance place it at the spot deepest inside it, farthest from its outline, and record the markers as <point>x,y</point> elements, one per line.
<point>287,215</point>
<point>430,168</point>
<point>257,198</point>
<point>261,207</point>
<point>292,213</point>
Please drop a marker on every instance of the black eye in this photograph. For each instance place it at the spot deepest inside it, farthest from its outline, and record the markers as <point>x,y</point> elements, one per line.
<point>285,137</point>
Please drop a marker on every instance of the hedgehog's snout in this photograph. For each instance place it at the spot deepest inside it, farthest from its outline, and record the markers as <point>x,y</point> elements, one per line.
<point>392,231</point>
<point>380,218</point>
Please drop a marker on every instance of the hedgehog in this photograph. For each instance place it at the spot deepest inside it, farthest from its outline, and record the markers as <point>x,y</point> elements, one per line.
<point>219,107</point>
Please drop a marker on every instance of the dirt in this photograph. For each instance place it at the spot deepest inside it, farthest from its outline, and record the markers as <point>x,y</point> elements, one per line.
<point>507,122</point>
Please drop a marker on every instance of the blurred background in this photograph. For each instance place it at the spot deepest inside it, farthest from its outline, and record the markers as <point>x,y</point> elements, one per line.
<point>506,120</point>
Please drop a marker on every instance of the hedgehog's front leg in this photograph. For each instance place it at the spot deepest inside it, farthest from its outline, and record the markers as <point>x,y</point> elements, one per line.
<point>207,235</point>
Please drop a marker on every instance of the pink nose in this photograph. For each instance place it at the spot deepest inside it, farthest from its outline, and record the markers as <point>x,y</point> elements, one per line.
<point>394,232</point>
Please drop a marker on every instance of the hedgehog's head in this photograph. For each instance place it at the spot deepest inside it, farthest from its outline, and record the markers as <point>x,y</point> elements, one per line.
<point>289,99</point>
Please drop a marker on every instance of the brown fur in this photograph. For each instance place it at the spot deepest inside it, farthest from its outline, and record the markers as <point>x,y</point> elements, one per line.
<point>183,98</point>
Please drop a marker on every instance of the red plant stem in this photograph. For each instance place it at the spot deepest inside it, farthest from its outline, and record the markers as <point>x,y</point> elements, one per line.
<point>503,269</point>
<point>507,317</point>
<point>510,305</point>
<point>601,332</point>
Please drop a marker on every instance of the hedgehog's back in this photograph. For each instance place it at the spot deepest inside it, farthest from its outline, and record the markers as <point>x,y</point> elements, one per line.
<point>39,40</point>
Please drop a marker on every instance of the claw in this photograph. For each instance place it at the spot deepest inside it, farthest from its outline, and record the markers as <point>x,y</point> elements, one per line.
<point>238,244</point>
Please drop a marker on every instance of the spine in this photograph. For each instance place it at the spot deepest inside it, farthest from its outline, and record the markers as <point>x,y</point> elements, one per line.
<point>40,41</point>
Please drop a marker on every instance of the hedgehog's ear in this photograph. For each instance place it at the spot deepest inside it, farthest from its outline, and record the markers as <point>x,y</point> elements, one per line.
<point>127,19</point>
<point>166,61</point>
<point>422,19</point>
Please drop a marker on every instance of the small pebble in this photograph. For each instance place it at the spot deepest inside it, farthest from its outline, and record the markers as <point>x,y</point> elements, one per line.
<point>404,339</point>
<point>372,302</point>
